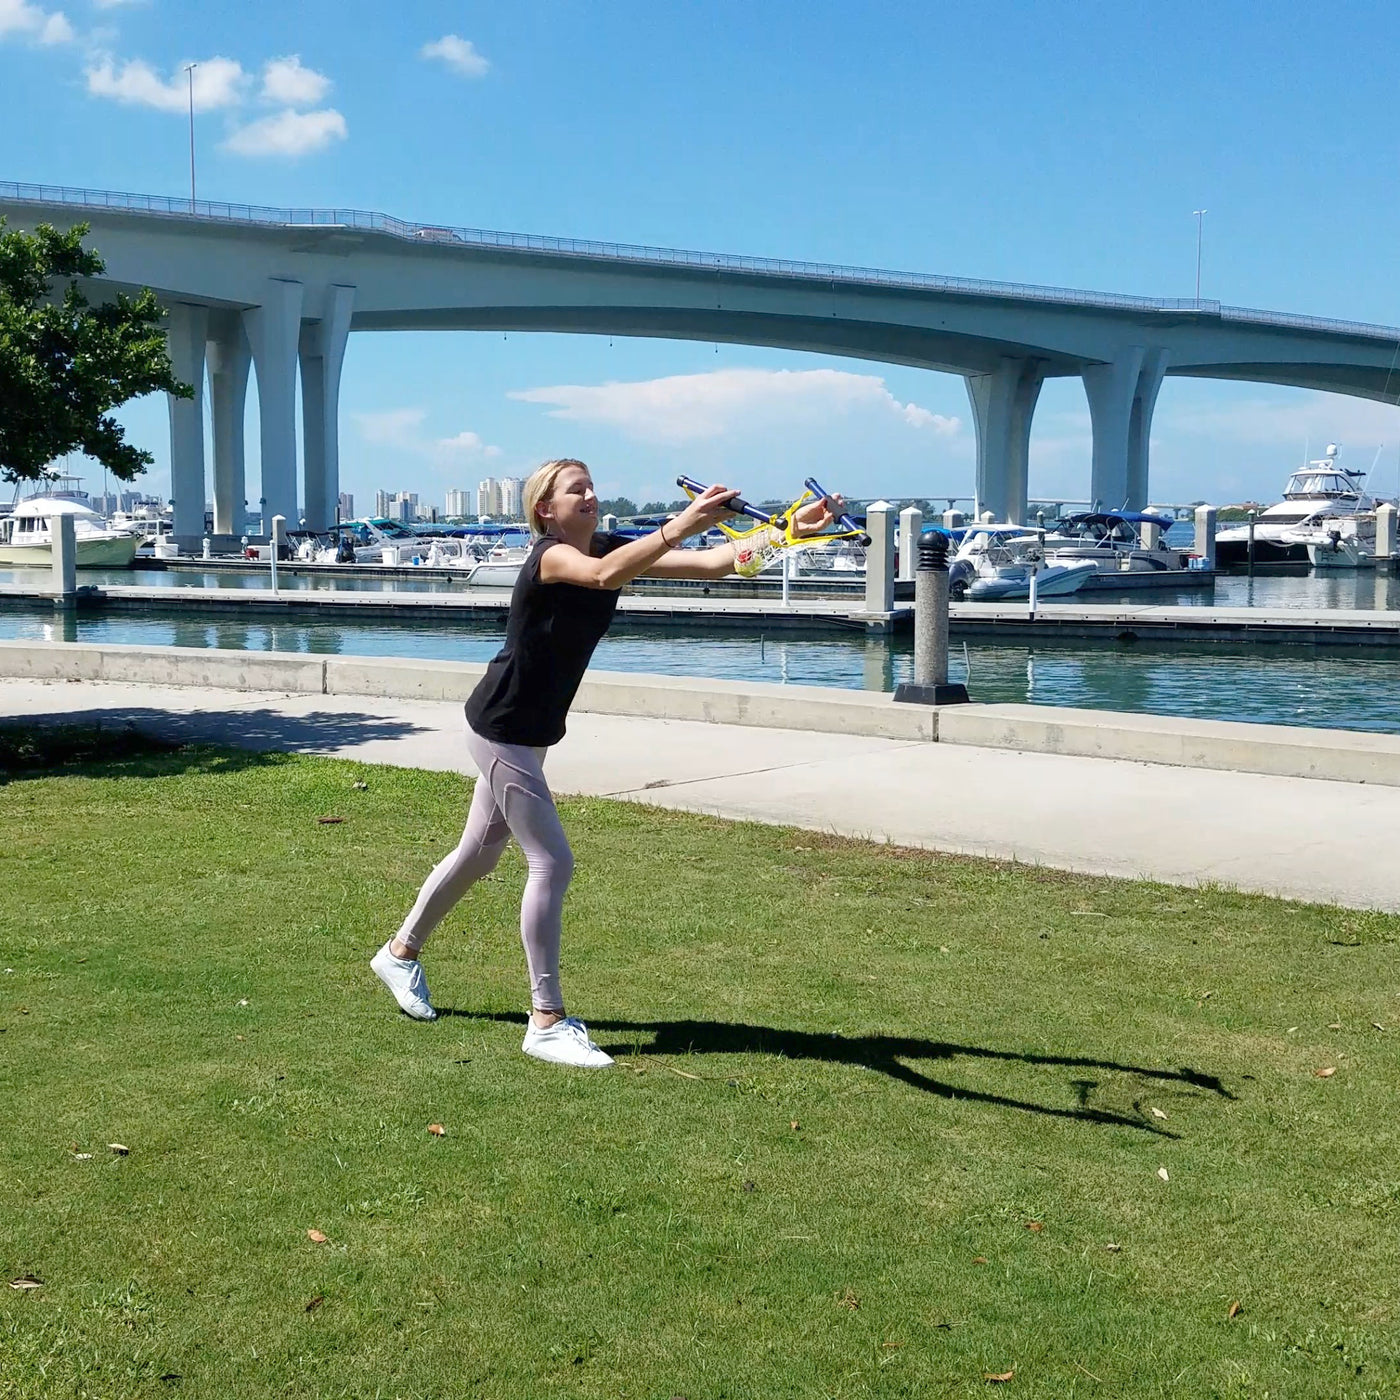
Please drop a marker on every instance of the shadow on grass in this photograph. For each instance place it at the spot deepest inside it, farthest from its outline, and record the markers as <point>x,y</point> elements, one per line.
<point>139,740</point>
<point>886,1055</point>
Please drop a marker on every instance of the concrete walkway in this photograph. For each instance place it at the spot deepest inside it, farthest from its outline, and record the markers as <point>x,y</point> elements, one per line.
<point>1299,837</point>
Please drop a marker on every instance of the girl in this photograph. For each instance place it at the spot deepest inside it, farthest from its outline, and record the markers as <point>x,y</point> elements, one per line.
<point>562,605</point>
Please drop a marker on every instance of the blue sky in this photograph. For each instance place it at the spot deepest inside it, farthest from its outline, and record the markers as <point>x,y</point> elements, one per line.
<point>1060,144</point>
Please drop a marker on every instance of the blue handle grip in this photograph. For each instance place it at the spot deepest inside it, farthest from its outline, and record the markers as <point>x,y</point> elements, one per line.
<point>738,506</point>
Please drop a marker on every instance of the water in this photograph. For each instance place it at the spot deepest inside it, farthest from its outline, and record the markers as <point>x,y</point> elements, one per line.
<point>1346,689</point>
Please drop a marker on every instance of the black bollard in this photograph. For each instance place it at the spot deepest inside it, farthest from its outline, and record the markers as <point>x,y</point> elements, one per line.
<point>930,684</point>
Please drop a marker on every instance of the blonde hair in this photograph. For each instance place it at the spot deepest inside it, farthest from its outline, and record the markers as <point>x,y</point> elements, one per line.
<point>540,488</point>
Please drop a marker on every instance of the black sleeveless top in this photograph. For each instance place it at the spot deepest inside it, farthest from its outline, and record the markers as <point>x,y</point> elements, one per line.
<point>551,632</point>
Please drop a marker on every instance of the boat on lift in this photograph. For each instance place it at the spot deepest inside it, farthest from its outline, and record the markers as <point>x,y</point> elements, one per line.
<point>993,562</point>
<point>1322,490</point>
<point>26,535</point>
<point>1127,548</point>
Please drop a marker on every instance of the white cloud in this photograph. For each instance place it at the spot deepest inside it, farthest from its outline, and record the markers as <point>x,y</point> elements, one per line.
<point>466,444</point>
<point>24,20</point>
<point>115,4</point>
<point>458,54</point>
<point>402,428</point>
<point>394,427</point>
<point>691,407</point>
<point>288,84</point>
<point>288,133</point>
<point>218,82</point>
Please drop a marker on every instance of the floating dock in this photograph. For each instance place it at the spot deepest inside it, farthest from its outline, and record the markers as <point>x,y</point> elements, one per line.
<point>1117,622</point>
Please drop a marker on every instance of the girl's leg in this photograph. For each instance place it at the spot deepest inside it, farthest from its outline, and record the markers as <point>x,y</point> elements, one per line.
<point>515,776</point>
<point>396,963</point>
<point>477,854</point>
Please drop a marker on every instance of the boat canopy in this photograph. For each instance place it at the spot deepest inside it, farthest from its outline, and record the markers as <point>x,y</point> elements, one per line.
<point>45,506</point>
<point>1118,517</point>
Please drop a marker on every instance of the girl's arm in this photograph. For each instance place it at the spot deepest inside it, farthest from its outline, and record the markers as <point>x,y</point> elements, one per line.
<point>565,564</point>
<point>811,519</point>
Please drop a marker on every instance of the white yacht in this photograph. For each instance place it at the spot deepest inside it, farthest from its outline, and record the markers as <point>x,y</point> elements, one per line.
<point>997,561</point>
<point>26,535</point>
<point>1320,490</point>
<point>1337,541</point>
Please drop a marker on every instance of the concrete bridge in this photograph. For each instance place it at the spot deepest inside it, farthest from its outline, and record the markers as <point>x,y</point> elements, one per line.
<point>279,290</point>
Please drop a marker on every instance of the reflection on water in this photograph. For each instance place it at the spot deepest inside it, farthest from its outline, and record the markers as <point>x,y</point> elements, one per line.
<point>1352,689</point>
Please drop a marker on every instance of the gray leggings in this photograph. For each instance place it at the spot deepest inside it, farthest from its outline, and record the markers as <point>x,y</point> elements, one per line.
<point>511,799</point>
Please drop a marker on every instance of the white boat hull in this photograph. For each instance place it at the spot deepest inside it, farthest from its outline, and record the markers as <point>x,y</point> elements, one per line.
<point>1345,554</point>
<point>1055,582</point>
<point>116,552</point>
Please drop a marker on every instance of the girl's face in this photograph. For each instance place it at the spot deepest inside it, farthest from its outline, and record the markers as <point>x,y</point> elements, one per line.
<point>572,508</point>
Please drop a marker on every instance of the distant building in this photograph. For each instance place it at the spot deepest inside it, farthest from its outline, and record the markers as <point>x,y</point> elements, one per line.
<point>488,497</point>
<point>382,501</point>
<point>403,506</point>
<point>512,498</point>
<point>458,504</point>
<point>347,506</point>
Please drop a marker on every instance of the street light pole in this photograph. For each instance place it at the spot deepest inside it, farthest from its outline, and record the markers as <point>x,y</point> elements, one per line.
<point>1200,219</point>
<point>189,69</point>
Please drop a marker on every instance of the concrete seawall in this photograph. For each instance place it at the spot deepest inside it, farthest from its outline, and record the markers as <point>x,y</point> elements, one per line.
<point>1285,751</point>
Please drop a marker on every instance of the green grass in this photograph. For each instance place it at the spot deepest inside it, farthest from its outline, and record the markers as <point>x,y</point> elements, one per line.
<point>853,1079</point>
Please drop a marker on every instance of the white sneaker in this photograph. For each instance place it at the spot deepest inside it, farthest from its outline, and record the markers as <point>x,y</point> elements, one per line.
<point>404,978</point>
<point>566,1042</point>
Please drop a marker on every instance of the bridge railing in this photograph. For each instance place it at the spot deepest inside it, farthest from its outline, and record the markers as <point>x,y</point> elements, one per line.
<point>203,210</point>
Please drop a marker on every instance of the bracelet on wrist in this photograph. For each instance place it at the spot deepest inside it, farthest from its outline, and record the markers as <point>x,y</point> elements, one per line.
<point>662,533</point>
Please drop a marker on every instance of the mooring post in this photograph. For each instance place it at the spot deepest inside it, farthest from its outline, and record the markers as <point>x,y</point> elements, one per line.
<point>930,684</point>
<point>609,523</point>
<point>279,537</point>
<point>879,558</point>
<point>1385,531</point>
<point>63,546</point>
<point>1205,535</point>
<point>1253,515</point>
<point>952,519</point>
<point>911,526</point>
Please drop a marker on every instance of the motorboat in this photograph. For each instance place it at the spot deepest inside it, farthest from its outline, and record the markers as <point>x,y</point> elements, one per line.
<point>487,557</point>
<point>1323,489</point>
<point>26,535</point>
<point>1337,541</point>
<point>1126,547</point>
<point>997,561</point>
<point>374,539</point>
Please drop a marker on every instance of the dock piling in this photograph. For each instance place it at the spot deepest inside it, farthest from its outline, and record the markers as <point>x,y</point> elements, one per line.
<point>279,539</point>
<point>911,526</point>
<point>930,684</point>
<point>879,558</point>
<point>1385,531</point>
<point>64,548</point>
<point>1205,535</point>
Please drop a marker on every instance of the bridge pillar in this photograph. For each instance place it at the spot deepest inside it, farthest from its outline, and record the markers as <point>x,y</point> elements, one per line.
<point>1003,404</point>
<point>230,358</point>
<point>186,330</point>
<point>322,353</point>
<point>1122,395</point>
<point>274,333</point>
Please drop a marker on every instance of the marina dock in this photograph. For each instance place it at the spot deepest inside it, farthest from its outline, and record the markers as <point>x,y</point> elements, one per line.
<point>1322,627</point>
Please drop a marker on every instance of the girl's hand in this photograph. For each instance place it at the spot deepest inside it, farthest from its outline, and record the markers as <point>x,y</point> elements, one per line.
<point>707,509</point>
<point>815,516</point>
